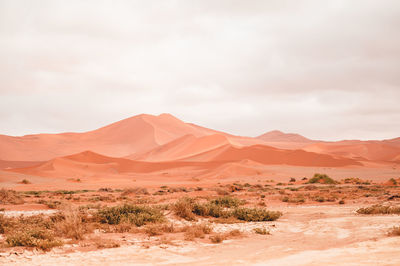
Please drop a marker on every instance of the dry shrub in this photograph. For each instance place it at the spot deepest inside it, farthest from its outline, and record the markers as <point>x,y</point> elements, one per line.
<point>154,230</point>
<point>395,231</point>
<point>379,209</point>
<point>8,196</point>
<point>33,237</point>
<point>137,191</point>
<point>234,233</point>
<point>219,237</point>
<point>222,192</point>
<point>261,231</point>
<point>196,231</point>
<point>256,214</point>
<point>72,224</point>
<point>105,243</point>
<point>184,208</point>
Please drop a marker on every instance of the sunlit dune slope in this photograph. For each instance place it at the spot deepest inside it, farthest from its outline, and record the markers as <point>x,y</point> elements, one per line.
<point>135,134</point>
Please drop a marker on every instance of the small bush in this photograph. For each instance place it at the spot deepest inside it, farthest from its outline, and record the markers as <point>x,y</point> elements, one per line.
<point>227,202</point>
<point>25,181</point>
<point>71,224</point>
<point>137,191</point>
<point>184,208</point>
<point>8,196</point>
<point>256,214</point>
<point>196,231</point>
<point>322,179</point>
<point>261,231</point>
<point>217,238</point>
<point>395,231</point>
<point>134,214</point>
<point>379,209</point>
<point>39,238</point>
<point>155,230</point>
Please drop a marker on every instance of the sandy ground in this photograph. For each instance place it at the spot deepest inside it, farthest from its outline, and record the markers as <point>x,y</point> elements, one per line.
<point>304,235</point>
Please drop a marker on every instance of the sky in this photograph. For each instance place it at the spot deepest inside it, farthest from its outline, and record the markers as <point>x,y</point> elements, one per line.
<point>328,70</point>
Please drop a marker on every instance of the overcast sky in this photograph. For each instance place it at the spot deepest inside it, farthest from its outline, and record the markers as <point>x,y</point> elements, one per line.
<point>325,69</point>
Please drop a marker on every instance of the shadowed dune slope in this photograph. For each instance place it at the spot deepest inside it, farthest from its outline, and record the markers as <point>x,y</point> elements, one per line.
<point>269,155</point>
<point>89,163</point>
<point>16,164</point>
<point>369,150</point>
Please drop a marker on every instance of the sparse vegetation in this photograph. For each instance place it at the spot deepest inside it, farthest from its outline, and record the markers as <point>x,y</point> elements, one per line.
<point>261,231</point>
<point>322,179</point>
<point>395,231</point>
<point>133,214</point>
<point>8,196</point>
<point>379,209</point>
<point>256,214</point>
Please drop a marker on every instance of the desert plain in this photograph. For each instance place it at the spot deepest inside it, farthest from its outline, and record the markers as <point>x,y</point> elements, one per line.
<point>156,190</point>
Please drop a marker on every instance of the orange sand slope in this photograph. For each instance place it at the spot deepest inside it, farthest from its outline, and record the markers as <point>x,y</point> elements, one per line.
<point>269,155</point>
<point>247,159</point>
<point>369,150</point>
<point>136,134</point>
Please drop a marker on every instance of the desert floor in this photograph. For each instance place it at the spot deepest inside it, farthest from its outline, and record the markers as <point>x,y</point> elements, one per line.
<point>319,225</point>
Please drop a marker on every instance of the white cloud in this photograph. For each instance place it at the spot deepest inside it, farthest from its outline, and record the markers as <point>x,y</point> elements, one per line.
<point>328,70</point>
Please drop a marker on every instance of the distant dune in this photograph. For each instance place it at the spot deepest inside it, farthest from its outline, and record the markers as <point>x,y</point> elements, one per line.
<point>148,143</point>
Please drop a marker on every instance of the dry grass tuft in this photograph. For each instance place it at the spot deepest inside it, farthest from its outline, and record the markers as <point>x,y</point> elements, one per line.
<point>8,196</point>
<point>196,231</point>
<point>395,231</point>
<point>261,231</point>
<point>184,208</point>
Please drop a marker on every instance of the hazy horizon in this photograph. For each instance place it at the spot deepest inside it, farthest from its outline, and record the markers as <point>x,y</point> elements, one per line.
<point>328,70</point>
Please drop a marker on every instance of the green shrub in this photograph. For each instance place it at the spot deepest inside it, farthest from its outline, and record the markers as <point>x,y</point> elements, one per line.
<point>322,179</point>
<point>256,214</point>
<point>227,202</point>
<point>134,214</point>
<point>211,209</point>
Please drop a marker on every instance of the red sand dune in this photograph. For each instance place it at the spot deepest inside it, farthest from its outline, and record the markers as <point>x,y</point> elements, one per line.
<point>167,139</point>
<point>369,150</point>
<point>183,147</point>
<point>89,163</point>
<point>92,164</point>
<point>278,136</point>
<point>16,164</point>
<point>270,155</point>
<point>136,134</point>
<point>282,140</point>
